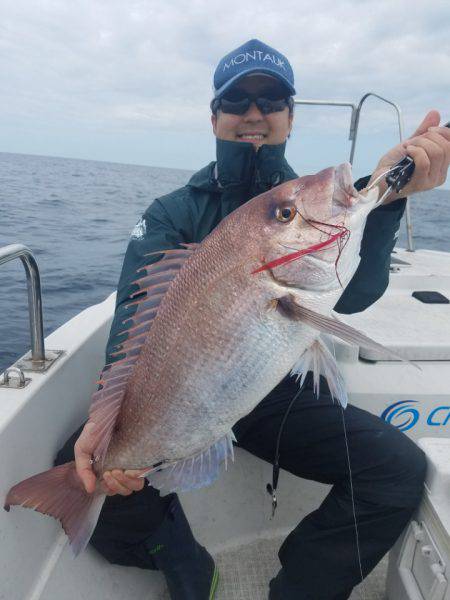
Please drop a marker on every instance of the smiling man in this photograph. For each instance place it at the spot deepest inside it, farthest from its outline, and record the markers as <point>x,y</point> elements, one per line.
<point>252,115</point>
<point>267,107</point>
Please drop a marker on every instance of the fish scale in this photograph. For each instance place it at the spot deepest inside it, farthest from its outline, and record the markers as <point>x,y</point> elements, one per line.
<point>225,323</point>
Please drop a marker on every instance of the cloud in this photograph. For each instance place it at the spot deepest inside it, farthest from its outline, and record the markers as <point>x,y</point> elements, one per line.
<point>109,65</point>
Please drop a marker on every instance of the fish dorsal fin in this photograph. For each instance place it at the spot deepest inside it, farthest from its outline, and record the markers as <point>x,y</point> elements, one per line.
<point>153,285</point>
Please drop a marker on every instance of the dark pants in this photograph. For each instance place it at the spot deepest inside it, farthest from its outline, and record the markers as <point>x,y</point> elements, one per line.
<point>388,470</point>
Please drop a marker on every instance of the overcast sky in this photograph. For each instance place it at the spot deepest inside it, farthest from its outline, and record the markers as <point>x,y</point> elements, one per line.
<point>130,81</point>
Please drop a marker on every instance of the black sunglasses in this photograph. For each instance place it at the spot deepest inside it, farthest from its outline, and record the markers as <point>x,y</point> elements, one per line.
<point>237,102</point>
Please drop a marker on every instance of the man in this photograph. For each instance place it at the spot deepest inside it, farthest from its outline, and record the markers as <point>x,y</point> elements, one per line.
<point>252,115</point>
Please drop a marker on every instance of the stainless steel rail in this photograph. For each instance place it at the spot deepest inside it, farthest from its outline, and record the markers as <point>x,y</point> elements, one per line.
<point>39,360</point>
<point>353,134</point>
<point>11,252</point>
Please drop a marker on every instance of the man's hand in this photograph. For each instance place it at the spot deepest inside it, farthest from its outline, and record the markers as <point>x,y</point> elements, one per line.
<point>113,482</point>
<point>429,147</point>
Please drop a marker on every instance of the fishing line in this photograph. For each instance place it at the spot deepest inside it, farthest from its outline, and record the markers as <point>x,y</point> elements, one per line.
<point>352,495</point>
<point>384,196</point>
<point>272,488</point>
<point>379,178</point>
<point>363,592</point>
<point>341,239</point>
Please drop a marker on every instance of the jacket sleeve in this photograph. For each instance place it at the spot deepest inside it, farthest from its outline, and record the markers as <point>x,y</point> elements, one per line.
<point>372,275</point>
<point>154,231</point>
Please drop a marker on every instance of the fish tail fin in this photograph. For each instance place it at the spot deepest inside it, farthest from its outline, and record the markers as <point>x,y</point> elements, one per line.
<point>60,493</point>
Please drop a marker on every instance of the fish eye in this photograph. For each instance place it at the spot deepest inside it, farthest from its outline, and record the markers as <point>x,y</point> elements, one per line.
<point>284,214</point>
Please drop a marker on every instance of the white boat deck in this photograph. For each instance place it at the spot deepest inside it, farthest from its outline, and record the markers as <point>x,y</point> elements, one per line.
<point>231,517</point>
<point>244,573</point>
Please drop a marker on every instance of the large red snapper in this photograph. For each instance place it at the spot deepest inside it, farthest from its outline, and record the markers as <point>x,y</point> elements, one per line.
<point>220,324</point>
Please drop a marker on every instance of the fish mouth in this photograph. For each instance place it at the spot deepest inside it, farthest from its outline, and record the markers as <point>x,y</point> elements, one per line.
<point>345,195</point>
<point>331,195</point>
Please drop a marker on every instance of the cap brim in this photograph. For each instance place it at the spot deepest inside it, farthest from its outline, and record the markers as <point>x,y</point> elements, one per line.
<point>256,71</point>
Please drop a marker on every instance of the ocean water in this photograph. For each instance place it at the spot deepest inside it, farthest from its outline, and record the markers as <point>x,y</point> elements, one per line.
<point>76,217</point>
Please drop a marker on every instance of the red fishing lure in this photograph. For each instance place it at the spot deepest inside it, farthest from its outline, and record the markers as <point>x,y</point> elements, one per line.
<point>340,237</point>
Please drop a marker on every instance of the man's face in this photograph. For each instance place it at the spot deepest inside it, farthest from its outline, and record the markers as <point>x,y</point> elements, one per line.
<point>253,126</point>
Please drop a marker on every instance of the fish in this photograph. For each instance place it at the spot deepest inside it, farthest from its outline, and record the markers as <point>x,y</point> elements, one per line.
<point>214,327</point>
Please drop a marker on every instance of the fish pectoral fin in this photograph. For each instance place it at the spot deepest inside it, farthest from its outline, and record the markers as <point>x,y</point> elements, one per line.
<point>318,359</point>
<point>288,307</point>
<point>195,471</point>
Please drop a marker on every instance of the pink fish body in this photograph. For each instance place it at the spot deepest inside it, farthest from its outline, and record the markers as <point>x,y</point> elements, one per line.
<point>220,324</point>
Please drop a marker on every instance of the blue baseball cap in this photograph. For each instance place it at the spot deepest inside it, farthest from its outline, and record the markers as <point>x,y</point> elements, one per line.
<point>252,57</point>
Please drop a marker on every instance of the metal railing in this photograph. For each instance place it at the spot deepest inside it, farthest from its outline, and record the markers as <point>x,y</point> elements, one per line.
<point>39,360</point>
<point>353,134</point>
<point>34,295</point>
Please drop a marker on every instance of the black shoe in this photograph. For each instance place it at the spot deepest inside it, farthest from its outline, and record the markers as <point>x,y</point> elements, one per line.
<point>281,589</point>
<point>189,569</point>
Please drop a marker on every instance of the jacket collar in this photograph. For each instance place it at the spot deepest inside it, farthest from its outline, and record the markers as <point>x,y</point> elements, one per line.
<point>239,166</point>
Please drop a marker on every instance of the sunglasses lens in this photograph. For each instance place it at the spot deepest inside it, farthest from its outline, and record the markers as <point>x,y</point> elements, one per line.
<point>235,107</point>
<point>267,106</point>
<point>237,101</point>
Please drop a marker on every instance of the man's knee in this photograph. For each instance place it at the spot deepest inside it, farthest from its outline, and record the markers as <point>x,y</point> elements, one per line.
<point>417,469</point>
<point>397,469</point>
<point>126,522</point>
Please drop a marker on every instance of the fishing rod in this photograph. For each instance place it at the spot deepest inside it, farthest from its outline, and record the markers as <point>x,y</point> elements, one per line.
<point>398,175</point>
<point>401,173</point>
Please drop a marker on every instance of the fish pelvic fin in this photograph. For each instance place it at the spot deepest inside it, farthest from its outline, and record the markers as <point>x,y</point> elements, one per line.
<point>332,326</point>
<point>59,493</point>
<point>318,359</point>
<point>194,472</point>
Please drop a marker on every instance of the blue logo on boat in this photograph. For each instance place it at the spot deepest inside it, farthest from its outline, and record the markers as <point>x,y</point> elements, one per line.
<point>402,414</point>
